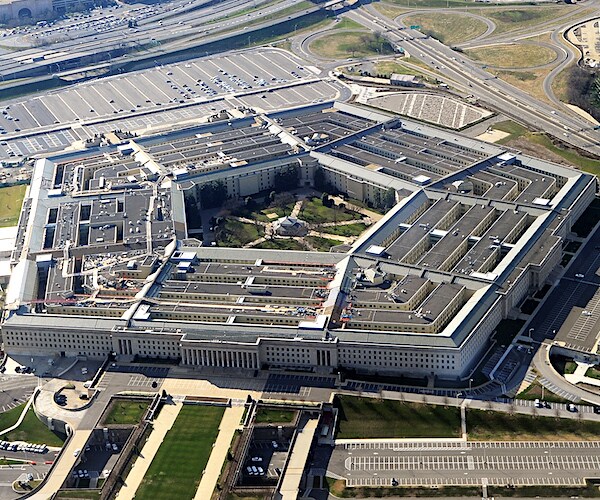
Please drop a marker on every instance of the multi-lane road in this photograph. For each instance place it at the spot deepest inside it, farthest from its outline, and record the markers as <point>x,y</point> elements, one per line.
<point>471,78</point>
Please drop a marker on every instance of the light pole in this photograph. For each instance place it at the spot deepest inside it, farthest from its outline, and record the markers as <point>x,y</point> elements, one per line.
<point>530,332</point>
<point>470,384</point>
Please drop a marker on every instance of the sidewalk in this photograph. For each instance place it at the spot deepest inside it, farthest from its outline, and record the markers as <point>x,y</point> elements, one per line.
<point>162,424</point>
<point>578,376</point>
<point>229,423</point>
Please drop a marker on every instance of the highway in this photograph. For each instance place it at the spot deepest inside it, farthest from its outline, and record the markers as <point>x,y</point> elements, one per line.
<point>184,26</point>
<point>469,77</point>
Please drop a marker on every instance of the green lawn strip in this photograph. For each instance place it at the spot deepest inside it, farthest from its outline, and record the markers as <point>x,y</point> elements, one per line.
<point>280,244</point>
<point>498,426</point>
<point>234,233</point>
<point>11,199</point>
<point>79,493</point>
<point>416,4</point>
<point>372,418</point>
<point>574,158</point>
<point>32,430</point>
<point>269,416</point>
<point>516,131</point>
<point>589,491</point>
<point>345,230</point>
<point>126,412</point>
<point>323,244</point>
<point>337,488</point>
<point>314,212</point>
<point>4,461</point>
<point>176,469</point>
<point>534,391</point>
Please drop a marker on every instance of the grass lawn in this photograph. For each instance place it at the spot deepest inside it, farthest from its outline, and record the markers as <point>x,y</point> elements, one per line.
<point>371,418</point>
<point>530,81</point>
<point>323,244</point>
<point>259,211</point>
<point>176,469</point>
<point>541,144</point>
<point>314,212</point>
<point>337,487</point>
<point>448,28</point>
<point>513,56</point>
<point>348,24</point>
<point>593,372</point>
<point>589,491</point>
<point>10,417</point>
<point>534,391</point>
<point>281,244</point>
<point>126,412</point>
<point>560,84</point>
<point>270,416</point>
<point>386,68</point>
<point>33,431</point>
<point>496,426</point>
<point>417,4</point>
<point>11,199</point>
<point>350,44</point>
<point>79,493</point>
<point>345,230</point>
<point>234,233</point>
<point>518,18</point>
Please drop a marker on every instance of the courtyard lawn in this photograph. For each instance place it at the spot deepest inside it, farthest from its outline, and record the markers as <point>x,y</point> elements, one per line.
<point>11,199</point>
<point>126,412</point>
<point>371,418</point>
<point>314,212</point>
<point>234,233</point>
<point>281,244</point>
<point>271,416</point>
<point>176,469</point>
<point>345,230</point>
<point>323,244</point>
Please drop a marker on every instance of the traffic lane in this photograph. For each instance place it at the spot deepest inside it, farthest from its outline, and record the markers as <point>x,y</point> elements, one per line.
<point>487,85</point>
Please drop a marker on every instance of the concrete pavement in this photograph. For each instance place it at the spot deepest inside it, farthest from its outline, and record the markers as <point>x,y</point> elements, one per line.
<point>229,424</point>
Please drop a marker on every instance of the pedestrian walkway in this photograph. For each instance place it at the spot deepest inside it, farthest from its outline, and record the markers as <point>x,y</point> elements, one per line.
<point>163,423</point>
<point>578,376</point>
<point>229,424</point>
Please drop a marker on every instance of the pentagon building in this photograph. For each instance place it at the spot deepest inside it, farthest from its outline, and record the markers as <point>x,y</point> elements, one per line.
<point>104,262</point>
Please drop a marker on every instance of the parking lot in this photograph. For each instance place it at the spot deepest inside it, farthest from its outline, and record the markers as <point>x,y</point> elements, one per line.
<point>159,96</point>
<point>415,462</point>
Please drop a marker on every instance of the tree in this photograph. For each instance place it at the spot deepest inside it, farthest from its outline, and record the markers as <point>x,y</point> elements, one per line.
<point>286,179</point>
<point>212,194</point>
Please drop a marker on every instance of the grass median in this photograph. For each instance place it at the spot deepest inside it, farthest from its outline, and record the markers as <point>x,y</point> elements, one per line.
<point>176,469</point>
